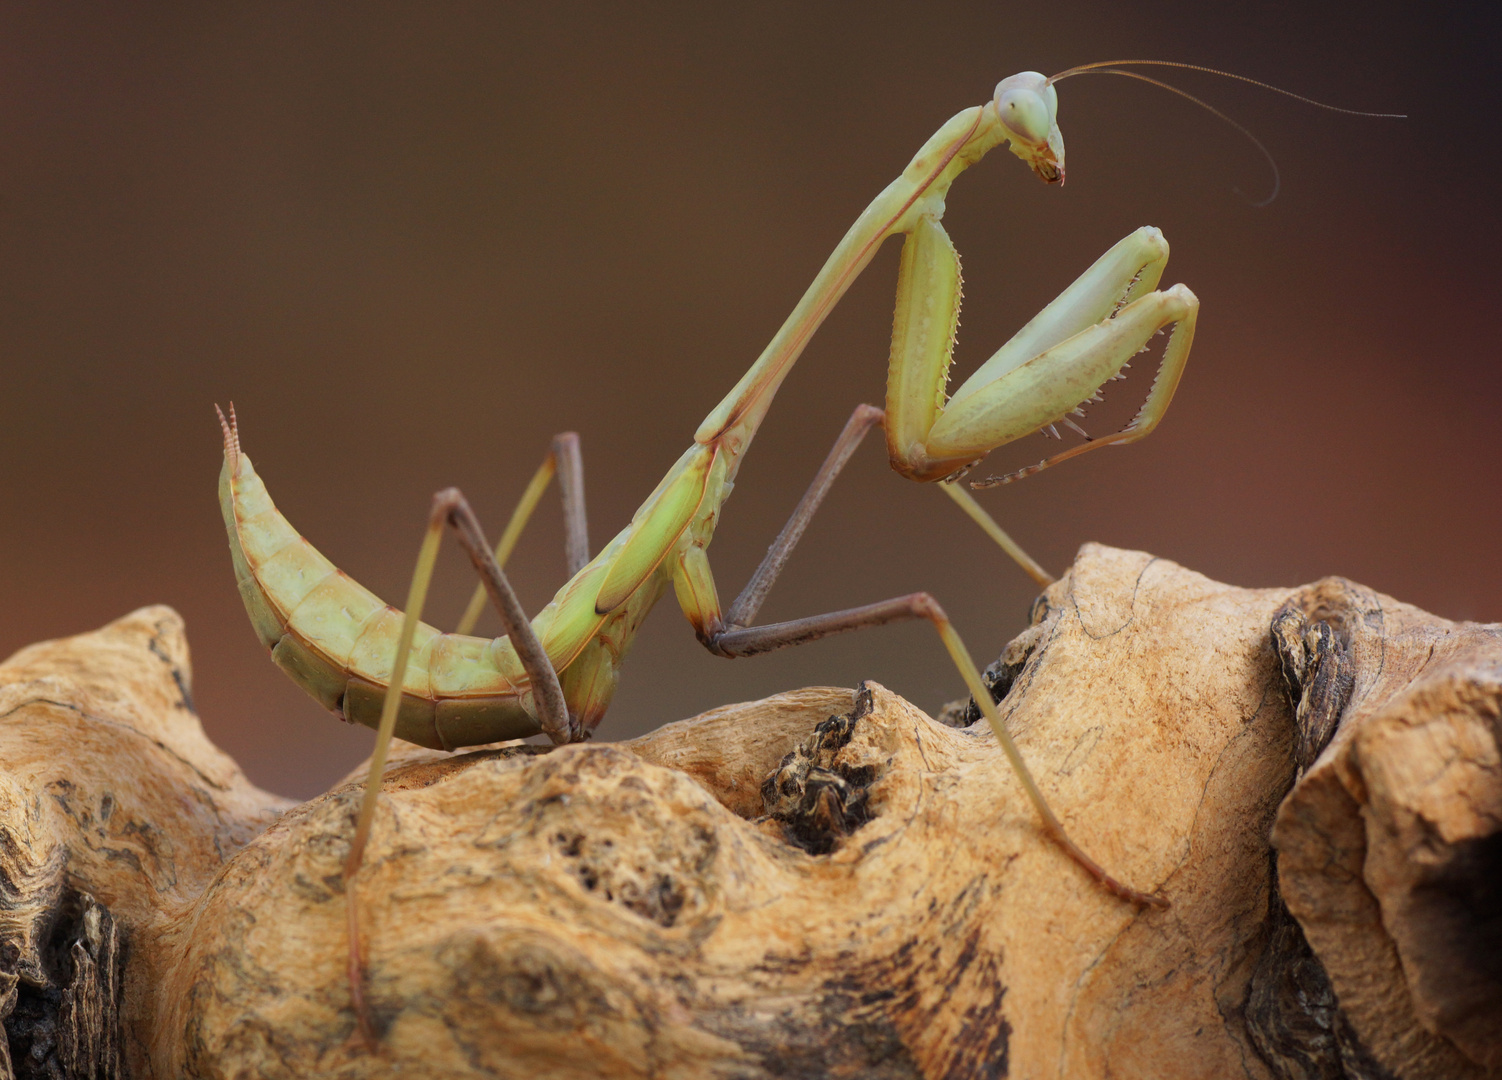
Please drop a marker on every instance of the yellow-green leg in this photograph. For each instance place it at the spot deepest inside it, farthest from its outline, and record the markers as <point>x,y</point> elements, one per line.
<point>977,513</point>
<point>565,460</point>
<point>732,636</point>
<point>865,417</point>
<point>759,639</point>
<point>451,510</point>
<point>1048,371</point>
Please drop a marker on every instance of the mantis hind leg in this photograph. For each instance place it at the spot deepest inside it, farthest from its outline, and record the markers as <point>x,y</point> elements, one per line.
<point>452,510</point>
<point>564,460</point>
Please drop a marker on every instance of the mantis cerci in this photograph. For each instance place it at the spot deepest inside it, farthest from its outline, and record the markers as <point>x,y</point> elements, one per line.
<point>556,674</point>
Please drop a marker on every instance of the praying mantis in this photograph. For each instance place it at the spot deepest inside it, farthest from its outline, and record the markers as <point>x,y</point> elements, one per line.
<point>556,673</point>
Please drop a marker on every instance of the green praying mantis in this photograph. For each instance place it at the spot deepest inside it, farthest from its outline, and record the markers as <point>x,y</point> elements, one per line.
<point>556,673</point>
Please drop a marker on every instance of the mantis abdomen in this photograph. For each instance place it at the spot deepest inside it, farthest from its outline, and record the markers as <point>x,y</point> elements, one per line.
<point>336,639</point>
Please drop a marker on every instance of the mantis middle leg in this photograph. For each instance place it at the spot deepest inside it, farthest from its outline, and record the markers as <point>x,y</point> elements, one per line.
<point>732,634</point>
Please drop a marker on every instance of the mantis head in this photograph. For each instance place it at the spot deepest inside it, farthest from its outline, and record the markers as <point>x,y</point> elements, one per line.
<point>1027,106</point>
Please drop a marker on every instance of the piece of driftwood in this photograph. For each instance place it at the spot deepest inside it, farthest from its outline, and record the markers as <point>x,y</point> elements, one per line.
<point>826,883</point>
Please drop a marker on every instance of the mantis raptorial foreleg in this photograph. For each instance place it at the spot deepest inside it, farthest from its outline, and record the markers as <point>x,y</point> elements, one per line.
<point>1046,372</point>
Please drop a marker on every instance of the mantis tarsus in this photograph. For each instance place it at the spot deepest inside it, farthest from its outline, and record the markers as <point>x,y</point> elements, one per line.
<point>555,674</point>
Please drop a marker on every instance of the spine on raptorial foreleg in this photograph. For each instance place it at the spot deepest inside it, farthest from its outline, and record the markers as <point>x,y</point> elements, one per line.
<point>918,192</point>
<point>336,639</point>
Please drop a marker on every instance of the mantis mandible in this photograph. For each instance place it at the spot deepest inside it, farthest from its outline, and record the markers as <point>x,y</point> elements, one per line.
<point>556,673</point>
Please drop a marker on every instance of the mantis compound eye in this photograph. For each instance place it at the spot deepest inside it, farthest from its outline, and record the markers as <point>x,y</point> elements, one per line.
<point>1026,104</point>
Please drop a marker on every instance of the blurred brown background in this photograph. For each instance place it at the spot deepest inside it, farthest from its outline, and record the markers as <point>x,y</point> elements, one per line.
<point>413,241</point>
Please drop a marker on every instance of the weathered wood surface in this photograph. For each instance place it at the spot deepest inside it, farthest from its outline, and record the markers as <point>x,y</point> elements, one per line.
<point>824,883</point>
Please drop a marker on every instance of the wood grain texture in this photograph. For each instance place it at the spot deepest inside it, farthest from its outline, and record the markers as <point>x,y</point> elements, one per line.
<point>825,883</point>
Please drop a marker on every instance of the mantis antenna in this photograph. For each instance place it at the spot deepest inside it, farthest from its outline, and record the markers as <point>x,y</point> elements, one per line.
<point>1113,67</point>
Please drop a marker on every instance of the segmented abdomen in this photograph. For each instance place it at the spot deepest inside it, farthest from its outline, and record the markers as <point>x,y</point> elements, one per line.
<point>337,640</point>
